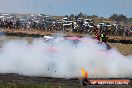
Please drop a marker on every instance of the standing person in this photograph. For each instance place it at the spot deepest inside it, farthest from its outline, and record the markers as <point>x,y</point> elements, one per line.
<point>125,31</point>
<point>103,37</point>
<point>73,27</point>
<point>96,35</point>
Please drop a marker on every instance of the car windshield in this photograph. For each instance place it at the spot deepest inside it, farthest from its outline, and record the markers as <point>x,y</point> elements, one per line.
<point>101,23</point>
<point>91,24</point>
<point>87,20</point>
<point>107,24</point>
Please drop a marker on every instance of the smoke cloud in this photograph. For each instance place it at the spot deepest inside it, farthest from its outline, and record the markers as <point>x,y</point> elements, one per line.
<point>61,58</point>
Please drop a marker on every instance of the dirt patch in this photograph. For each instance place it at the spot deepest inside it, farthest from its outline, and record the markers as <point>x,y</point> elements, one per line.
<point>41,33</point>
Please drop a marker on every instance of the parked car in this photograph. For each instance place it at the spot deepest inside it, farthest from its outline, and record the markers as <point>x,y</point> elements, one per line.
<point>80,20</point>
<point>87,21</point>
<point>104,24</point>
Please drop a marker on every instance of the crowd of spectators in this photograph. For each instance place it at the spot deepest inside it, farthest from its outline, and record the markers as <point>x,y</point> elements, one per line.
<point>79,25</point>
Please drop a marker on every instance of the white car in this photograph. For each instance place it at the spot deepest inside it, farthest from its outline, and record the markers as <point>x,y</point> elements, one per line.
<point>87,21</point>
<point>79,19</point>
<point>65,19</point>
<point>67,24</point>
<point>103,24</point>
<point>90,25</point>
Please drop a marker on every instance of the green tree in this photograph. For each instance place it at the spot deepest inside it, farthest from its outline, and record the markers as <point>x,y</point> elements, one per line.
<point>122,18</point>
<point>118,18</point>
<point>66,16</point>
<point>72,16</point>
<point>114,17</point>
<point>80,15</point>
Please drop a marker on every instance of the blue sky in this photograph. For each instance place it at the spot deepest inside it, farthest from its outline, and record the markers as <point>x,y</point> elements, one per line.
<point>102,8</point>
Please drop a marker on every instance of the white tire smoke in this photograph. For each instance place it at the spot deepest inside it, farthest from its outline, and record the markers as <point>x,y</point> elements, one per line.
<point>63,59</point>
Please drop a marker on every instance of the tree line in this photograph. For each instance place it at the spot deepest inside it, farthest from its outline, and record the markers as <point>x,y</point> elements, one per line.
<point>113,17</point>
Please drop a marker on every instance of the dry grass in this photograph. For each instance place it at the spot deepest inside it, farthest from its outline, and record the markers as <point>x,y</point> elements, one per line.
<point>125,49</point>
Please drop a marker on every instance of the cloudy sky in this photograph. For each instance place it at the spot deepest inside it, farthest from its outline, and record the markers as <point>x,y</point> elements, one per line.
<point>65,7</point>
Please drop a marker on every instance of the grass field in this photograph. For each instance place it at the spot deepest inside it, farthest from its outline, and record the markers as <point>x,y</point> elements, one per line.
<point>18,81</point>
